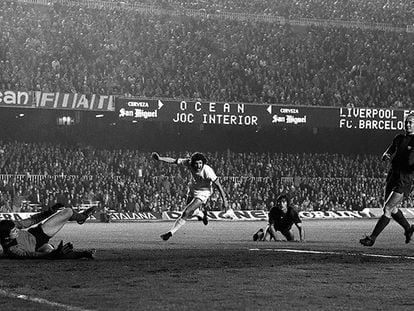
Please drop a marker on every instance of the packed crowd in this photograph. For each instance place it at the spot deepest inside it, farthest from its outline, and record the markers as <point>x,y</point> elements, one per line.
<point>394,12</point>
<point>74,49</point>
<point>128,180</point>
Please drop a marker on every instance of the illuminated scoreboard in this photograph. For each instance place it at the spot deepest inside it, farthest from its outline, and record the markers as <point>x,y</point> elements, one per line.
<point>241,114</point>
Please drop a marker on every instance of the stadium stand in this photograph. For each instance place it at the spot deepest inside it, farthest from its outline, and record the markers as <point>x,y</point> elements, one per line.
<point>127,180</point>
<point>392,12</point>
<point>313,53</point>
<point>128,52</point>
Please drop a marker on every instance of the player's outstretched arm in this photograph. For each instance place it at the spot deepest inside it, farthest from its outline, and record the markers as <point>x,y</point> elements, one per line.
<point>223,195</point>
<point>301,232</point>
<point>156,157</point>
<point>272,232</point>
<point>266,234</point>
<point>18,252</point>
<point>387,155</point>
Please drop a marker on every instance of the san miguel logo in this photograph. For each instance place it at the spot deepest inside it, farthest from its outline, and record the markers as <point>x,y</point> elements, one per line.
<point>137,109</point>
<point>16,98</point>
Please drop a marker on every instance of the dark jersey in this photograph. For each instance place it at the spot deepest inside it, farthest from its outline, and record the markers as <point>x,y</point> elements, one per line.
<point>27,241</point>
<point>23,247</point>
<point>283,221</point>
<point>403,149</point>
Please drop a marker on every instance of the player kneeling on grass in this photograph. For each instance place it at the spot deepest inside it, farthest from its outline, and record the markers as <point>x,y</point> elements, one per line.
<point>200,189</point>
<point>282,216</point>
<point>21,242</point>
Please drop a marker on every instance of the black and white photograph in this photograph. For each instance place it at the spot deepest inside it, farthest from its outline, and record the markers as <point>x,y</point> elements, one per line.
<point>206,155</point>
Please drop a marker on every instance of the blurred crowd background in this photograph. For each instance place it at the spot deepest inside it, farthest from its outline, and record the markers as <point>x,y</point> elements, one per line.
<point>214,50</point>
<point>129,181</point>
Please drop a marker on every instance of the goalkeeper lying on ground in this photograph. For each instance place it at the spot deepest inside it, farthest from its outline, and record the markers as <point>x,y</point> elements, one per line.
<point>29,238</point>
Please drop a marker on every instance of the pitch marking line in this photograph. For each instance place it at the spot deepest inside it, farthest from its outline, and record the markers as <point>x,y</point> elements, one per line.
<point>40,300</point>
<point>286,250</point>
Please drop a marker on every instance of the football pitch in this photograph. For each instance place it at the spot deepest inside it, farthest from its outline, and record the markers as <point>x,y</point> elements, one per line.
<point>216,267</point>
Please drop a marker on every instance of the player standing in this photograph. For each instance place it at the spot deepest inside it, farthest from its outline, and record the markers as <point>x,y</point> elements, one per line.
<point>200,190</point>
<point>399,182</point>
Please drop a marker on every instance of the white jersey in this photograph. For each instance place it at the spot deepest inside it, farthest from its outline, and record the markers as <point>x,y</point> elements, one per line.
<point>203,180</point>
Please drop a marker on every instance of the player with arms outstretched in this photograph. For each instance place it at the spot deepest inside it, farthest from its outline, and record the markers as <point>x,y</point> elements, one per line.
<point>200,190</point>
<point>399,182</point>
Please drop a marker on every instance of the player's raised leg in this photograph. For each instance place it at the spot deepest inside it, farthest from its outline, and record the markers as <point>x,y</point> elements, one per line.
<point>187,213</point>
<point>54,223</point>
<point>81,217</point>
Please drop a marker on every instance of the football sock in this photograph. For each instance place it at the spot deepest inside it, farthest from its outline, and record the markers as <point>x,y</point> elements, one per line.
<point>38,217</point>
<point>381,224</point>
<point>76,216</point>
<point>401,220</point>
<point>177,225</point>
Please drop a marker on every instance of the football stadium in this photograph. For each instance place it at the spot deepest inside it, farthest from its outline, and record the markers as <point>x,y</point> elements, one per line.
<point>206,154</point>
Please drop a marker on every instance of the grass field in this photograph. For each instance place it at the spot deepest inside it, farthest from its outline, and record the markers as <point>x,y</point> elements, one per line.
<point>217,267</point>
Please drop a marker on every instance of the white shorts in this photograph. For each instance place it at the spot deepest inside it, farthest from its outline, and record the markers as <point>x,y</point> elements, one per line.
<point>202,195</point>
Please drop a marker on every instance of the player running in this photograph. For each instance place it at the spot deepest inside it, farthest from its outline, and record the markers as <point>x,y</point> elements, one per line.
<point>281,218</point>
<point>200,189</point>
<point>20,239</point>
<point>399,182</point>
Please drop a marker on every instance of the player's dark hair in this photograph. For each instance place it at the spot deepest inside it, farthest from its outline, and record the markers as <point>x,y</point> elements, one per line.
<point>197,156</point>
<point>281,197</point>
<point>409,115</point>
<point>5,227</point>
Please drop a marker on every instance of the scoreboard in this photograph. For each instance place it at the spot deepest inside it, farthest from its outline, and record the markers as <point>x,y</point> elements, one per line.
<point>243,114</point>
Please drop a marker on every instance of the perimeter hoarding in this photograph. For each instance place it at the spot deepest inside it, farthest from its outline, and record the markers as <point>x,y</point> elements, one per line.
<point>200,112</point>
<point>240,215</point>
<point>16,99</point>
<point>239,114</point>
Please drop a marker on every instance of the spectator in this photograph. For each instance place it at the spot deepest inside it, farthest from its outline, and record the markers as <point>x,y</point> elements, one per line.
<point>313,181</point>
<point>53,49</point>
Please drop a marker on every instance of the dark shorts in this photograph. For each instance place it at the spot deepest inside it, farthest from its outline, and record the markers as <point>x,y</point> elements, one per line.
<point>286,232</point>
<point>41,237</point>
<point>398,182</point>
